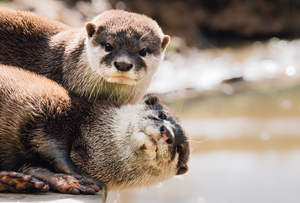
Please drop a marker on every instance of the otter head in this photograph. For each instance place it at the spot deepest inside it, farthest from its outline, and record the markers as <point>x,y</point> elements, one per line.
<point>132,146</point>
<point>152,143</point>
<point>125,48</point>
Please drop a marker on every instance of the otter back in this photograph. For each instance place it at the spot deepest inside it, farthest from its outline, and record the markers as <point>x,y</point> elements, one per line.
<point>24,36</point>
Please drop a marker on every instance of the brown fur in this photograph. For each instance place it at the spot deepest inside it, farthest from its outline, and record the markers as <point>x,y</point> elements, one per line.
<point>40,121</point>
<point>65,54</point>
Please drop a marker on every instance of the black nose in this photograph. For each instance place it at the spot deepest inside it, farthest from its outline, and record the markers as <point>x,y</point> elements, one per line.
<point>121,66</point>
<point>163,130</point>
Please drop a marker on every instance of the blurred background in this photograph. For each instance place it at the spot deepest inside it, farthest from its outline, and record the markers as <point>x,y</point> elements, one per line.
<point>232,74</point>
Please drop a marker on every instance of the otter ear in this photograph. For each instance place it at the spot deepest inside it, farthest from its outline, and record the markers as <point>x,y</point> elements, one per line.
<point>90,28</point>
<point>182,170</point>
<point>152,100</point>
<point>165,42</point>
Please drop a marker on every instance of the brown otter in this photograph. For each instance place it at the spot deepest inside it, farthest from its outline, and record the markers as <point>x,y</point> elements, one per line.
<point>123,146</point>
<point>114,57</point>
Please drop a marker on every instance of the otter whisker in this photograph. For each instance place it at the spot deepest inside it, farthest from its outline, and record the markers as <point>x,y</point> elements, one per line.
<point>143,36</point>
<point>180,108</point>
<point>199,142</point>
<point>118,197</point>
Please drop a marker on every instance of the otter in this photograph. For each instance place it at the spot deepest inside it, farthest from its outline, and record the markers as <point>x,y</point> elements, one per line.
<point>113,58</point>
<point>48,136</point>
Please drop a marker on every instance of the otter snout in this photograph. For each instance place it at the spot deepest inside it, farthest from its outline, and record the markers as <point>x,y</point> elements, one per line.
<point>166,135</point>
<point>121,66</point>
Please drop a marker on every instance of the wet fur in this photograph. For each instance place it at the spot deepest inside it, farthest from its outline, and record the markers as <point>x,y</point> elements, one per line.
<point>111,143</point>
<point>78,61</point>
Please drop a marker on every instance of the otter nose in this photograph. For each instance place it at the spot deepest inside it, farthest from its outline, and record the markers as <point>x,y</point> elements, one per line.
<point>121,66</point>
<point>166,135</point>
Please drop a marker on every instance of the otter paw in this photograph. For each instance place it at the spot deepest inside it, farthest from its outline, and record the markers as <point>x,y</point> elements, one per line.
<point>73,184</point>
<point>17,182</point>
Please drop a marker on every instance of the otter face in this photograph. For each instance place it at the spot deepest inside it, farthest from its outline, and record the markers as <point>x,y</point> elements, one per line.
<point>154,141</point>
<point>125,48</point>
<point>167,137</point>
<point>132,146</point>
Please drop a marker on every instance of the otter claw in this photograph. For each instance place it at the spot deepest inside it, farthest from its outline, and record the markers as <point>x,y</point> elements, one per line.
<point>70,184</point>
<point>17,182</point>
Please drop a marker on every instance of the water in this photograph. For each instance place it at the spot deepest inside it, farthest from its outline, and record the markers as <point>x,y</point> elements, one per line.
<point>234,127</point>
<point>230,176</point>
<point>206,69</point>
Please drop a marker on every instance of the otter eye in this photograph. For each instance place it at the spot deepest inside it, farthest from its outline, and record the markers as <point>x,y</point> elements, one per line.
<point>162,116</point>
<point>179,148</point>
<point>108,47</point>
<point>143,52</point>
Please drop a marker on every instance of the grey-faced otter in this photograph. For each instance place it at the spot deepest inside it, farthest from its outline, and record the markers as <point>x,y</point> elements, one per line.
<point>125,146</point>
<point>114,57</point>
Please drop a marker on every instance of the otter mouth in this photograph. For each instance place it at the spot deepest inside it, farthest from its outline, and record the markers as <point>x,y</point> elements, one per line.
<point>155,143</point>
<point>161,138</point>
<point>122,79</point>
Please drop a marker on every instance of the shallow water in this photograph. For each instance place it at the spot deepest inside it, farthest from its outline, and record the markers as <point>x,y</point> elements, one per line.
<point>229,176</point>
<point>206,69</point>
<point>234,127</point>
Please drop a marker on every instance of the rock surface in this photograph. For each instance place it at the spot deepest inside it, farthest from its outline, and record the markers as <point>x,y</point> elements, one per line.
<point>49,198</point>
